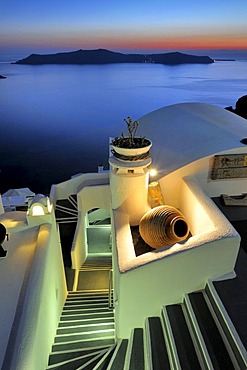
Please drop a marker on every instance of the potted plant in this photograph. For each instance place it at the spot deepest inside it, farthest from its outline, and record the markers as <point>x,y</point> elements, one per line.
<point>131,147</point>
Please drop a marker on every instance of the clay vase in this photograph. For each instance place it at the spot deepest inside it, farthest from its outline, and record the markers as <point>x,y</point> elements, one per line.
<point>162,226</point>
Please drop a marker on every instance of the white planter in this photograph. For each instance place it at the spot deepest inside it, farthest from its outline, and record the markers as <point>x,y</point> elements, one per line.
<point>130,153</point>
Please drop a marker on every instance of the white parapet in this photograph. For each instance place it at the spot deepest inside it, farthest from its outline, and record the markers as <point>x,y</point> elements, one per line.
<point>144,283</point>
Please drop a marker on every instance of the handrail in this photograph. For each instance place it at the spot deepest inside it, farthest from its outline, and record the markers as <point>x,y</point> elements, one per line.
<point>110,301</point>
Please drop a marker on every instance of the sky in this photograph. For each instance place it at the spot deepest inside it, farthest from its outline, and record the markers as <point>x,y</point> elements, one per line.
<point>121,25</point>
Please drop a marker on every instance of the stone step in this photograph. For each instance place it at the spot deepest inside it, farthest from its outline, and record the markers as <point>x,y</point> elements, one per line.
<point>86,328</point>
<point>215,345</point>
<point>228,330</point>
<point>85,306</point>
<point>179,337</point>
<point>158,354</point>
<point>119,355</point>
<point>84,294</point>
<point>87,321</point>
<point>80,311</point>
<point>136,350</point>
<point>63,356</point>
<point>105,360</point>
<point>78,300</point>
<point>78,363</point>
<point>81,315</point>
<point>87,343</point>
<point>83,335</point>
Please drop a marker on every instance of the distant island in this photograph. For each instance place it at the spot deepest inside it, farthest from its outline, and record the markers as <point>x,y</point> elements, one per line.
<point>103,56</point>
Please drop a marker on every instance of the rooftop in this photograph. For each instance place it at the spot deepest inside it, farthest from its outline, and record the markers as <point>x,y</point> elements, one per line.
<point>183,133</point>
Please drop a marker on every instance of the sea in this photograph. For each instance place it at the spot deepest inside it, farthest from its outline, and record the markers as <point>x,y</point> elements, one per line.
<point>56,120</point>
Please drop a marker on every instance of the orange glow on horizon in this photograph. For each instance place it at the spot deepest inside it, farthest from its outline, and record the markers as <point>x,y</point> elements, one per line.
<point>134,42</point>
<point>127,26</point>
<point>158,44</point>
<point>187,42</point>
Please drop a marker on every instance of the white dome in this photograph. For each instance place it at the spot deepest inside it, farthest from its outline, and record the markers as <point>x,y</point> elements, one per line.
<point>183,133</point>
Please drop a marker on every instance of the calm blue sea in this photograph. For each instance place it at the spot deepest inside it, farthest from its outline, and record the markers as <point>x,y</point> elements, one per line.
<point>56,120</point>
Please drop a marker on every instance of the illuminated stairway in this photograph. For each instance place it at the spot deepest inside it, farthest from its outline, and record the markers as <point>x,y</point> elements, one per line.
<point>95,274</point>
<point>200,335</point>
<point>194,335</point>
<point>86,332</point>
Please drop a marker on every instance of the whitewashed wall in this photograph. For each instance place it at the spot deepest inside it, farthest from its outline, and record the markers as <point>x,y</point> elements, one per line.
<point>144,283</point>
<point>45,294</point>
<point>95,196</point>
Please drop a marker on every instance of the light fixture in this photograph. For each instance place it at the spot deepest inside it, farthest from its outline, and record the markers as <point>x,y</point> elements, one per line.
<point>39,206</point>
<point>152,172</point>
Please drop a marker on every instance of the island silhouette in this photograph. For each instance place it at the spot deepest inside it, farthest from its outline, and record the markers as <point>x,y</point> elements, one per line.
<point>103,56</point>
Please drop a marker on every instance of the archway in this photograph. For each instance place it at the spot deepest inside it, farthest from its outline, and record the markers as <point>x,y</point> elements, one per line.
<point>98,231</point>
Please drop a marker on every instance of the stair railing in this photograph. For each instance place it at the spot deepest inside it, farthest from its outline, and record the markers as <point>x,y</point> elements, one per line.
<point>110,300</point>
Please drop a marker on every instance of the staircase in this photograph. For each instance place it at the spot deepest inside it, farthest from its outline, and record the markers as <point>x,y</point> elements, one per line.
<point>200,335</point>
<point>94,274</point>
<point>66,209</point>
<point>66,214</point>
<point>85,332</point>
<point>196,334</point>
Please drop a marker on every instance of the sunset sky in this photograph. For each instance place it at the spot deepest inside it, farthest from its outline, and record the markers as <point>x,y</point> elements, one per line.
<point>122,25</point>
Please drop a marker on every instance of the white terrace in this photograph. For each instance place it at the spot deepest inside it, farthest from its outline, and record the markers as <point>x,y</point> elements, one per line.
<point>186,138</point>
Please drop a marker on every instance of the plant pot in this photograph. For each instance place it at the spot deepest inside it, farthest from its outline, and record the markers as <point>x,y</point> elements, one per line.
<point>132,154</point>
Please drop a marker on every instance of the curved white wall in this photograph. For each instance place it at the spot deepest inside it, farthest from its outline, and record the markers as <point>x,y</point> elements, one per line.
<point>144,283</point>
<point>45,294</point>
<point>200,169</point>
<point>130,195</point>
<point>76,184</point>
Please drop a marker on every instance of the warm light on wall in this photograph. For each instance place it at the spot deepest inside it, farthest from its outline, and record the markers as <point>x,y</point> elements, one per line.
<point>37,210</point>
<point>40,206</point>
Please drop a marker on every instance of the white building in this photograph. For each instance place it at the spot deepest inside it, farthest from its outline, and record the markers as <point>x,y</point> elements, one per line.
<point>198,154</point>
